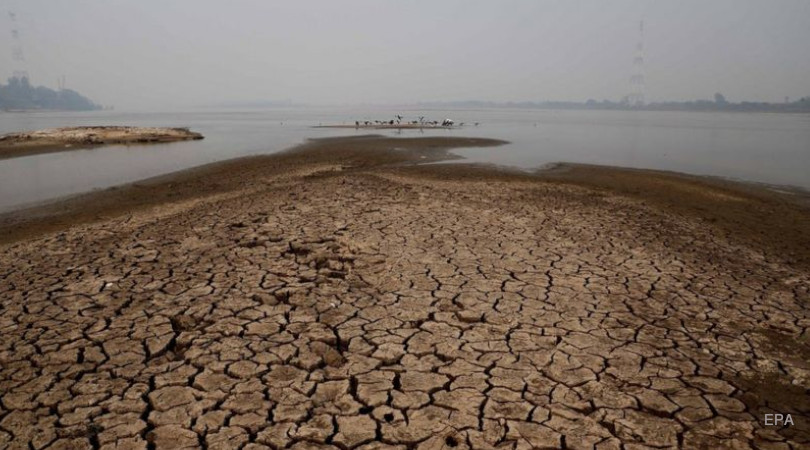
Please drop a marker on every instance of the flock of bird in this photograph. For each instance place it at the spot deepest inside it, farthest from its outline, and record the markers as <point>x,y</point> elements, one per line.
<point>398,121</point>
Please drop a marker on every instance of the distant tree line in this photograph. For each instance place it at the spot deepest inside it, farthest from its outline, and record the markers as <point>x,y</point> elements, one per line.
<point>19,94</point>
<point>719,103</point>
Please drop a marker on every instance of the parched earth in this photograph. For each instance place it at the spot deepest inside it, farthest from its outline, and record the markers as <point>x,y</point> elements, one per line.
<point>340,298</point>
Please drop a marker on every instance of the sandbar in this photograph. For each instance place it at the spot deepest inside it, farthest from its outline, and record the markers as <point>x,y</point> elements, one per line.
<point>51,140</point>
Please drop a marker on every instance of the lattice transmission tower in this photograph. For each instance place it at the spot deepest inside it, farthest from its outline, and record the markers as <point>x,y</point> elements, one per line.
<point>17,55</point>
<point>637,81</point>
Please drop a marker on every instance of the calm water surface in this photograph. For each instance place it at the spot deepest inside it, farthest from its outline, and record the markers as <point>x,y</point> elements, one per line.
<point>768,148</point>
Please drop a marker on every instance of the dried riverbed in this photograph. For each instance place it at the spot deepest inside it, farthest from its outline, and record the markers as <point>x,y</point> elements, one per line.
<point>339,296</point>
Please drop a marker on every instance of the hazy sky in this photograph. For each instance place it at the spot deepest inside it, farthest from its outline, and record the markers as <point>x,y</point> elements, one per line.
<point>176,53</point>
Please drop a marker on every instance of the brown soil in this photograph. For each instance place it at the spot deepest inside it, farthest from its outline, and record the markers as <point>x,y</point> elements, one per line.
<point>75,138</point>
<point>340,296</point>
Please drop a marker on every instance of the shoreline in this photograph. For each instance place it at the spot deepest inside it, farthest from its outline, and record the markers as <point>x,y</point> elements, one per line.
<point>787,192</point>
<point>344,292</point>
<point>194,182</point>
<point>208,179</point>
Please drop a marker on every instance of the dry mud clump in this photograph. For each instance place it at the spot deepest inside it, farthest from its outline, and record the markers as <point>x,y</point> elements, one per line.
<point>337,297</point>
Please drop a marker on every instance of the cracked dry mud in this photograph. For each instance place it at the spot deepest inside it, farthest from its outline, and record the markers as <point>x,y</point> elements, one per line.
<point>315,304</point>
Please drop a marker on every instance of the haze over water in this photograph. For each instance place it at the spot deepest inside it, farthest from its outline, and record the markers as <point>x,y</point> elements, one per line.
<point>767,148</point>
<point>153,54</point>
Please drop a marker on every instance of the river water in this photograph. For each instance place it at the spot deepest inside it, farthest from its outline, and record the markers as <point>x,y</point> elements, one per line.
<point>766,148</point>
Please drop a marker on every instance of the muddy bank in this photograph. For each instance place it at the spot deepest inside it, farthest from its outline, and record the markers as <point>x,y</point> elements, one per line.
<point>339,295</point>
<point>776,222</point>
<point>65,139</point>
<point>354,153</point>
